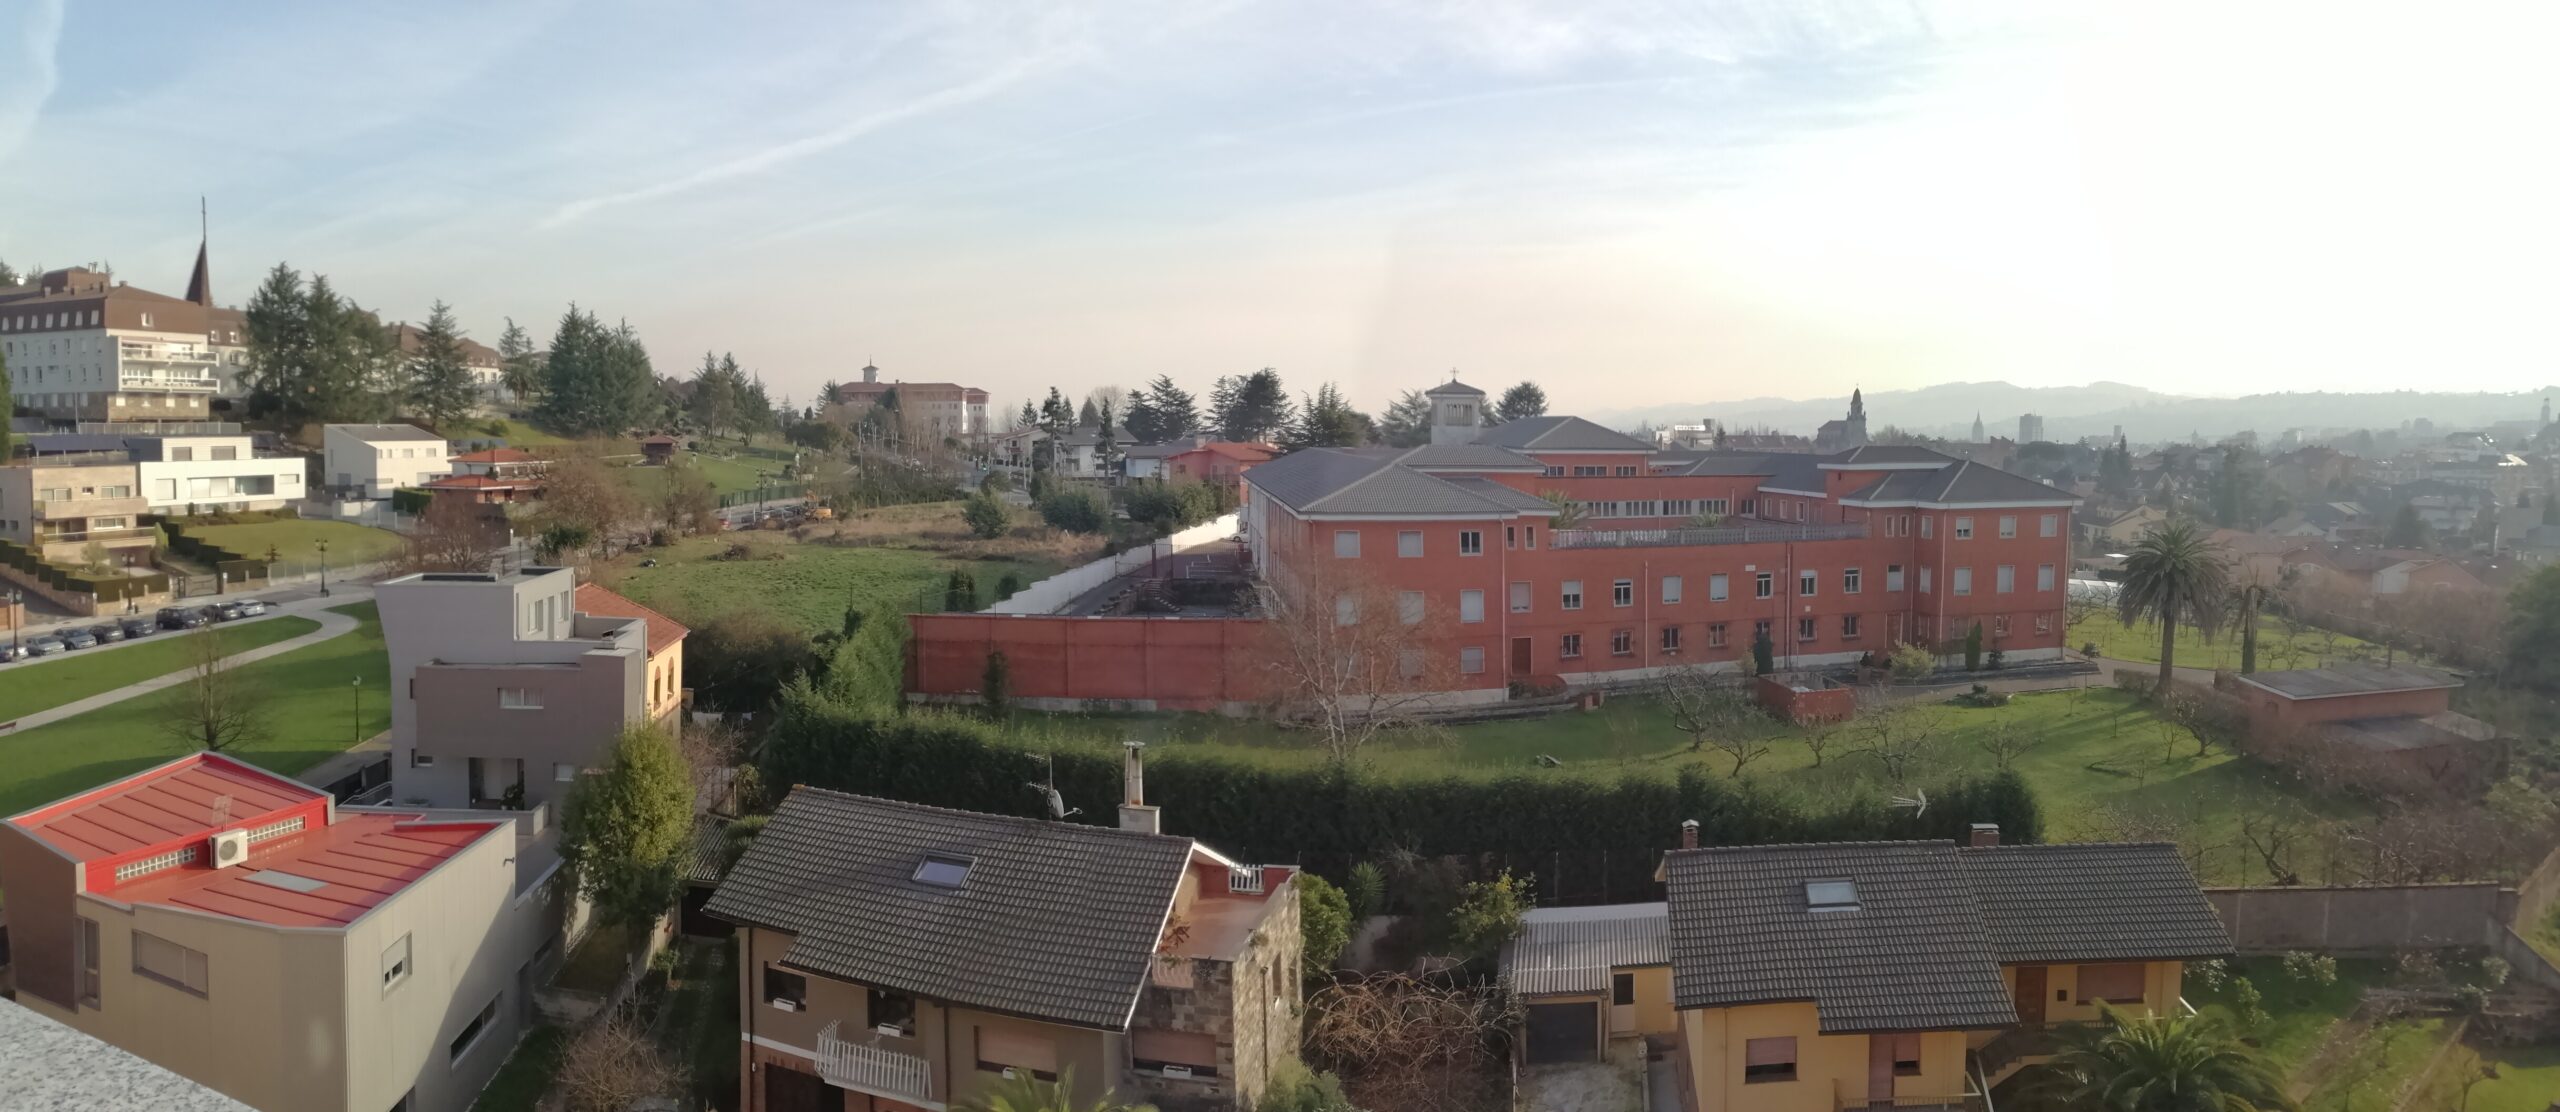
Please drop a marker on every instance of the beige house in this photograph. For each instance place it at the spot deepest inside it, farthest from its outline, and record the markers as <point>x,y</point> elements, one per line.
<point>242,930</point>
<point>901,957</point>
<point>57,506</point>
<point>1587,975</point>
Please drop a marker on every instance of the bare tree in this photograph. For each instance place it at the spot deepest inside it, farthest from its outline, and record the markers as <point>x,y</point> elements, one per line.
<point>612,1066</point>
<point>1712,708</point>
<point>2004,743</point>
<point>581,493</point>
<point>1412,1044</point>
<point>1821,737</point>
<point>456,535</point>
<point>1354,657</point>
<point>1906,740</point>
<point>212,706</point>
<point>711,754</point>
<point>2275,835</point>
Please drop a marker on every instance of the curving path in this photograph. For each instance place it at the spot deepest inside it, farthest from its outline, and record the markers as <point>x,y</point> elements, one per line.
<point>332,624</point>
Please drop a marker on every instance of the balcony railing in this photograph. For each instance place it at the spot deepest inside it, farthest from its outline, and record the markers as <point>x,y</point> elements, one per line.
<point>166,353</point>
<point>166,382</point>
<point>1771,533</point>
<point>1853,1097</point>
<point>870,1068</point>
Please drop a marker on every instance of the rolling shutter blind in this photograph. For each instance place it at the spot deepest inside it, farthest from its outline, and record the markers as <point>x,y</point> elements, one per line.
<point>1019,1049</point>
<point>1179,1047</point>
<point>1770,1052</point>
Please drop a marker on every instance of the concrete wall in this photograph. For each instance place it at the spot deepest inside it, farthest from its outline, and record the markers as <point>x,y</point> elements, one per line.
<point>460,715</point>
<point>1053,594</point>
<point>42,885</point>
<point>2378,920</point>
<point>2271,714</point>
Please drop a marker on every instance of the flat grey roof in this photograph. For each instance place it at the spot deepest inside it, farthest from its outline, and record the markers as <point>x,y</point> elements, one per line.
<point>1572,950</point>
<point>2350,679</point>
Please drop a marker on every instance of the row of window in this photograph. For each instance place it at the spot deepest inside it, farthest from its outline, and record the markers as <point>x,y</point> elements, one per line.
<point>31,322</point>
<point>1411,605</point>
<point>1657,507</point>
<point>1593,471</point>
<point>1008,1051</point>
<point>1672,639</point>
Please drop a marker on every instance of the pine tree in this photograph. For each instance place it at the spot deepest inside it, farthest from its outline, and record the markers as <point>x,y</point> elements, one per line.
<point>1518,403</point>
<point>440,387</point>
<point>1105,450</point>
<point>755,406</point>
<point>520,366</point>
<point>2408,530</point>
<point>1086,416</point>
<point>715,397</point>
<point>8,277</point>
<point>1177,414</point>
<point>1407,422</point>
<point>1327,421</point>
<point>1140,418</point>
<point>1256,407</point>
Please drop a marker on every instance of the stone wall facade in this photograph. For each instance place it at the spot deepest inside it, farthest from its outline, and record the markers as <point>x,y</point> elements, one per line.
<point>1252,1005</point>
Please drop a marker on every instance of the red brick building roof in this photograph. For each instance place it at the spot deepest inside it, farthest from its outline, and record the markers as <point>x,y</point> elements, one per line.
<point>663,630</point>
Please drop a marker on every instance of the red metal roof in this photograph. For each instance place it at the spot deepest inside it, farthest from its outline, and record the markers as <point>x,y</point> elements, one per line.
<point>497,455</point>
<point>347,866</point>
<point>663,630</point>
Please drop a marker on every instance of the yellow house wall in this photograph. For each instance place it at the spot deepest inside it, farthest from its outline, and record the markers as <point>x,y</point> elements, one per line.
<point>2162,982</point>
<point>1654,1014</point>
<point>1827,1066</point>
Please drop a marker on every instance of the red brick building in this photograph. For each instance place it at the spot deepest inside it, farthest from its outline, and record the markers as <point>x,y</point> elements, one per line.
<point>2394,714</point>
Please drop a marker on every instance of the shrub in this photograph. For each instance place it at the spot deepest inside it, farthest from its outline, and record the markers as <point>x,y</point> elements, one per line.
<point>995,483</point>
<point>1008,586</point>
<point>1293,1089</point>
<point>2210,974</point>
<point>986,515</point>
<point>1076,511</point>
<point>2418,966</point>
<point>1973,648</point>
<point>2247,1005</point>
<point>1983,696</point>
<point>2305,968</point>
<point>995,684</point>
<point>2472,999</point>
<point>1324,923</point>
<point>960,592</point>
<point>1366,886</point>
<point>1912,661</point>
<point>1486,916</point>
<point>1994,659</point>
<point>2493,972</point>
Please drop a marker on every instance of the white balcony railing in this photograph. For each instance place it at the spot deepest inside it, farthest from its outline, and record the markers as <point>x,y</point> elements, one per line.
<point>166,353</point>
<point>870,1068</point>
<point>132,381</point>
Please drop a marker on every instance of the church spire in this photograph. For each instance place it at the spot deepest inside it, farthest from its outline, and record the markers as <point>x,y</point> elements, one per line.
<point>1857,403</point>
<point>200,284</point>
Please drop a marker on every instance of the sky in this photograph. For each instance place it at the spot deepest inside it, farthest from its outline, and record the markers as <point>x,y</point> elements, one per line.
<point>1628,202</point>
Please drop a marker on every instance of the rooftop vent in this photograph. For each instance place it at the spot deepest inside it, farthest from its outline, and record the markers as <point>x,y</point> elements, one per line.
<point>1831,895</point>
<point>291,882</point>
<point>943,872</point>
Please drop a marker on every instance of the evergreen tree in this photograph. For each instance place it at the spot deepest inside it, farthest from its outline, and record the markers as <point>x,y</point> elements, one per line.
<point>440,387</point>
<point>1522,401</point>
<point>714,406</point>
<point>1407,422</point>
<point>1256,407</point>
<point>597,381</point>
<point>755,407</point>
<point>1177,414</point>
<point>521,366</point>
<point>312,355</point>
<point>1327,421</point>
<point>1029,416</point>
<point>1222,401</point>
<point>1139,417</point>
<point>1106,450</point>
<point>831,394</point>
<point>1086,415</point>
<point>2408,530</point>
<point>624,829</point>
<point>8,277</point>
<point>2115,469</point>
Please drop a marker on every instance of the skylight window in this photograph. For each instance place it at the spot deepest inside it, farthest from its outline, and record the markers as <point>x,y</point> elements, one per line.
<point>943,872</point>
<point>1831,895</point>
<point>291,882</point>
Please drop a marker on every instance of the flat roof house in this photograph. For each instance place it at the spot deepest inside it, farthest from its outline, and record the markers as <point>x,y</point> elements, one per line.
<point>899,957</point>
<point>243,930</point>
<point>1913,974</point>
<point>371,461</point>
<point>2399,715</point>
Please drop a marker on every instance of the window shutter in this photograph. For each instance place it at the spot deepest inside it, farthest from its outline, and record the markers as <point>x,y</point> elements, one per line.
<point>1770,1052</point>
<point>1178,1047</point>
<point>1020,1049</point>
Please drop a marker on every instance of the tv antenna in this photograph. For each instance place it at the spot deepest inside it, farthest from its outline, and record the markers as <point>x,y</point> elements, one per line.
<point>1058,808</point>
<point>1918,802</point>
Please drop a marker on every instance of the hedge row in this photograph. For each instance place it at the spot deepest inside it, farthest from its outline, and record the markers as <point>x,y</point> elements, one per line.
<point>1328,818</point>
<point>408,501</point>
<point>233,567</point>
<point>114,588</point>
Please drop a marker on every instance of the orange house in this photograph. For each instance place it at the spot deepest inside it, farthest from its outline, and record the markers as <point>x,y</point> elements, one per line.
<point>666,647</point>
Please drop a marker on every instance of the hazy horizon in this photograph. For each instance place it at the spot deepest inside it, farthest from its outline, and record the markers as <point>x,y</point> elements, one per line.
<point>1629,203</point>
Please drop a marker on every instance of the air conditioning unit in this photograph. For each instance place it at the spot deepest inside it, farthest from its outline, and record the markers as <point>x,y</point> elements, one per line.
<point>1177,1071</point>
<point>784,1003</point>
<point>229,848</point>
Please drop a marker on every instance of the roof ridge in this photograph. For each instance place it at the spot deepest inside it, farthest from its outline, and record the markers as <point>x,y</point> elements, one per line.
<point>1015,820</point>
<point>1383,464</point>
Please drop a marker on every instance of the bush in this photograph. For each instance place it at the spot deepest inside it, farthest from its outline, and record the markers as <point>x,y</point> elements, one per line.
<point>960,592</point>
<point>407,501</point>
<point>1973,648</point>
<point>1293,1089</point>
<point>1076,511</point>
<point>1912,661</point>
<point>1983,696</point>
<point>1487,916</point>
<point>1366,887</point>
<point>986,515</point>
<point>1168,508</point>
<point>2210,974</point>
<point>2247,1005</point>
<point>995,685</point>
<point>1324,922</point>
<point>1994,659</point>
<point>2308,969</point>
<point>2472,999</point>
<point>1008,586</point>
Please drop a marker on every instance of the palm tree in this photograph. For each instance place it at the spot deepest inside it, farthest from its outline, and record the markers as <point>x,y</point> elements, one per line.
<point>2175,574</point>
<point>1025,1093</point>
<point>2152,1063</point>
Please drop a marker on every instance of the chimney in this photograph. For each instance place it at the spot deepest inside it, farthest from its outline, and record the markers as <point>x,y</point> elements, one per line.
<point>1134,812</point>
<point>1689,834</point>
<point>1986,834</point>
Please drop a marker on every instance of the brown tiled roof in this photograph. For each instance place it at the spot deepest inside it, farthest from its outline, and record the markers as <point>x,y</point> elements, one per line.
<point>663,630</point>
<point>2092,901</point>
<point>412,340</point>
<point>1055,921</point>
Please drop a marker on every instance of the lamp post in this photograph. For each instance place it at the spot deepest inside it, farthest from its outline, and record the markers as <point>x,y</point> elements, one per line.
<point>355,709</point>
<point>17,617</point>
<point>323,546</point>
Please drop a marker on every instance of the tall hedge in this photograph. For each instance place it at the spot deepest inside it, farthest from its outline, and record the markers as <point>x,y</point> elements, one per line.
<point>1605,834</point>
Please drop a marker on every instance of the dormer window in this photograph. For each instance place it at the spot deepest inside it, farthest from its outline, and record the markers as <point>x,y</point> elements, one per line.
<point>1830,895</point>
<point>943,872</point>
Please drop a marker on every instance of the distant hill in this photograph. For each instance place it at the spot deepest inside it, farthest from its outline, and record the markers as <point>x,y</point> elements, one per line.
<point>2071,412</point>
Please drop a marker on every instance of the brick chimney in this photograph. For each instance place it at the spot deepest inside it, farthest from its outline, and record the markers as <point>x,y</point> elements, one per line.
<point>1986,834</point>
<point>1134,812</point>
<point>1689,834</point>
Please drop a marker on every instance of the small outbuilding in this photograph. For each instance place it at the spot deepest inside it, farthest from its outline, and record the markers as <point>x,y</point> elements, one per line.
<point>1587,975</point>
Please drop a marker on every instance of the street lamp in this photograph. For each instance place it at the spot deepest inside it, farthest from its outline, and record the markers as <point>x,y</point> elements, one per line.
<point>323,546</point>
<point>355,711</point>
<point>17,617</point>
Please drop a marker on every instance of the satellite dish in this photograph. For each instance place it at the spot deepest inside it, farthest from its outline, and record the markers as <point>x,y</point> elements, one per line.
<point>1918,802</point>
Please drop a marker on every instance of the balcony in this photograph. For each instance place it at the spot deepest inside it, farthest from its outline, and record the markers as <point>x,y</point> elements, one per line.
<point>1770,533</point>
<point>1853,1097</point>
<point>166,353</point>
<point>131,381</point>
<point>867,1067</point>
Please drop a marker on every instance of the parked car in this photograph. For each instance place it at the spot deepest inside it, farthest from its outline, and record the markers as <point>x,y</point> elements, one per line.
<point>137,627</point>
<point>77,639</point>
<point>225,612</point>
<point>181,617</point>
<point>252,607</point>
<point>105,632</point>
<point>46,646</point>
<point>12,652</point>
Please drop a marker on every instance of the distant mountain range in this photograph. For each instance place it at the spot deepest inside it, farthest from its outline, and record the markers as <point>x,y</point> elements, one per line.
<point>2071,412</point>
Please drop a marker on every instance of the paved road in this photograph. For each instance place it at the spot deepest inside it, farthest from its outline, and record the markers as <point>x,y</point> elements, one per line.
<point>331,625</point>
<point>305,601</point>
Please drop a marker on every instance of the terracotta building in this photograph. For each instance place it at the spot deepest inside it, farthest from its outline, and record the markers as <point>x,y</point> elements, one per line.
<point>2399,714</point>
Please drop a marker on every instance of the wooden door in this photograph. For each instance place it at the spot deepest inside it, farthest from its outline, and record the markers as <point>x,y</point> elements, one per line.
<point>1880,1070</point>
<point>1519,657</point>
<point>2030,994</point>
<point>1892,630</point>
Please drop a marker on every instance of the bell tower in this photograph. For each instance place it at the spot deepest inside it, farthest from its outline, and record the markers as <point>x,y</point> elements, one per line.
<point>1457,412</point>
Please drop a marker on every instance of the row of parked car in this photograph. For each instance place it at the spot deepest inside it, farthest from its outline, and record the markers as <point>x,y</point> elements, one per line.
<point>169,617</point>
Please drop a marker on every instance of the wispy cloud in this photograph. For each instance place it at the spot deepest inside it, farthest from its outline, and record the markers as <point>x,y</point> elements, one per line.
<point>27,85</point>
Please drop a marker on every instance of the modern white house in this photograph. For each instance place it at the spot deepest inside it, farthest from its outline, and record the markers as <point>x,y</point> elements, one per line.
<point>371,461</point>
<point>202,474</point>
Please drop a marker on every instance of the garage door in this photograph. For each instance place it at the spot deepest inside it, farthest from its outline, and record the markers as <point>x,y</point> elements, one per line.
<point>1564,1032</point>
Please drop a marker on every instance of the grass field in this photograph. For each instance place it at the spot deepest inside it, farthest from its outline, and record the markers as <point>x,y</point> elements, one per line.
<point>517,434</point>
<point>526,1076</point>
<point>2299,1015</point>
<point>2528,1080</point>
<point>2389,1057</point>
<point>2103,768</point>
<point>806,584</point>
<point>2277,648</point>
<point>728,476</point>
<point>313,712</point>
<point>33,687</point>
<point>294,540</point>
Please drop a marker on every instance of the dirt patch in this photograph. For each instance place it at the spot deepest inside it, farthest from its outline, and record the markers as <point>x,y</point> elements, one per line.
<point>1616,1085</point>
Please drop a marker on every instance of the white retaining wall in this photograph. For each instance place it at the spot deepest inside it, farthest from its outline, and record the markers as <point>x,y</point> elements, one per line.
<point>1052,595</point>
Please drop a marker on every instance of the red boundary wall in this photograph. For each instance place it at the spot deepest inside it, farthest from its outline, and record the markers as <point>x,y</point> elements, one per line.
<point>1173,664</point>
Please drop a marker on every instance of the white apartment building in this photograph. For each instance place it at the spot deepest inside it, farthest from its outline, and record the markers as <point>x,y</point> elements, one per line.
<point>202,474</point>
<point>82,346</point>
<point>371,461</point>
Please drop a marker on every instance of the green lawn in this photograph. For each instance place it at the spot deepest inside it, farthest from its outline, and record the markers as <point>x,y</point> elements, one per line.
<point>2528,1080</point>
<point>2103,767</point>
<point>517,434</point>
<point>30,688</point>
<point>294,540</point>
<point>804,584</point>
<point>2278,648</point>
<point>2389,1057</point>
<point>2299,1015</point>
<point>313,713</point>
<point>727,476</point>
<point>526,1077</point>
